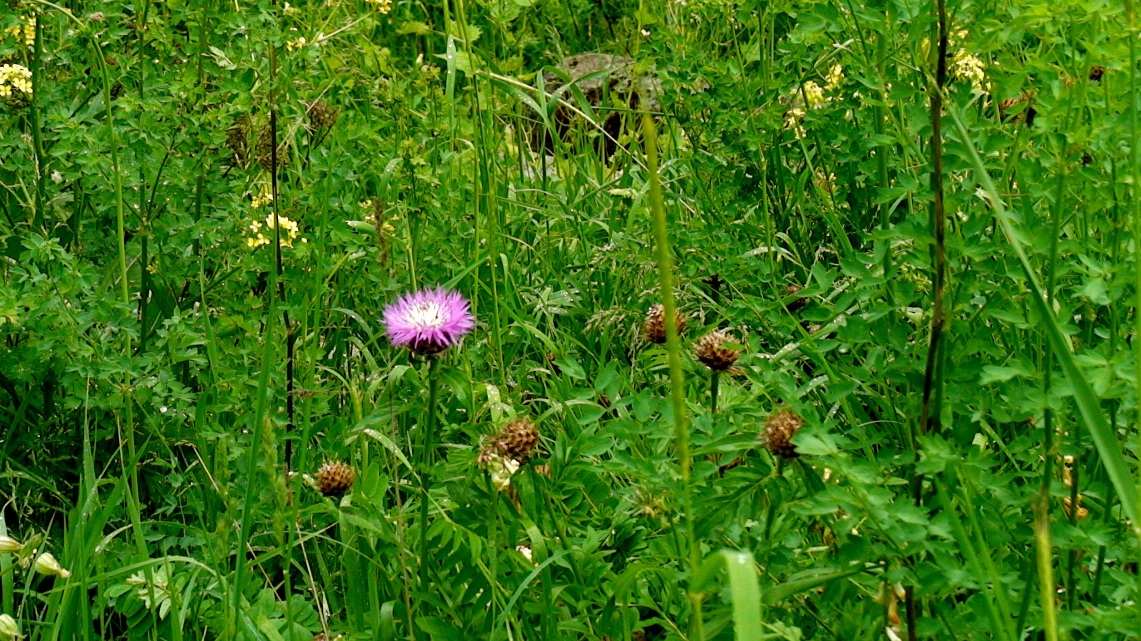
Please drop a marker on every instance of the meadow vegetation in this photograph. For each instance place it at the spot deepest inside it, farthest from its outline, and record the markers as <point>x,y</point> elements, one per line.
<point>569,319</point>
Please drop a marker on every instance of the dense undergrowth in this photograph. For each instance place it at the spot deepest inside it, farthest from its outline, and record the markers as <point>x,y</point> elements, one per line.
<point>915,224</point>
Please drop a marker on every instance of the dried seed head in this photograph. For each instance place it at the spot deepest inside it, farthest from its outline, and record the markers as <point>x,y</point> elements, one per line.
<point>265,150</point>
<point>655,323</point>
<point>711,350</point>
<point>519,439</point>
<point>322,115</point>
<point>779,429</point>
<point>236,139</point>
<point>792,291</point>
<point>334,479</point>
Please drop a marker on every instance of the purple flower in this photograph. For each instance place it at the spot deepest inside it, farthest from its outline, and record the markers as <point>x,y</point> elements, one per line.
<point>428,321</point>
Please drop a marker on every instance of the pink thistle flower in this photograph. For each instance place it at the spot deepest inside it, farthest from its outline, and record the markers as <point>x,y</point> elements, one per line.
<point>428,321</point>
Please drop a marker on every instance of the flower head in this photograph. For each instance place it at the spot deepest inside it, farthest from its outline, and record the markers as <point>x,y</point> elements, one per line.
<point>655,324</point>
<point>428,321</point>
<point>712,349</point>
<point>334,479</point>
<point>15,85</point>
<point>779,430</point>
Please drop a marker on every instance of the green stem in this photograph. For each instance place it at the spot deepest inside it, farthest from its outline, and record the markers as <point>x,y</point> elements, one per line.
<point>425,464</point>
<point>673,346</point>
<point>714,388</point>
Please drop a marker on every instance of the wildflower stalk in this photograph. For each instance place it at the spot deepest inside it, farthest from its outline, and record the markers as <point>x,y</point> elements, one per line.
<point>673,348</point>
<point>37,134</point>
<point>1045,570</point>
<point>714,388</point>
<point>425,463</point>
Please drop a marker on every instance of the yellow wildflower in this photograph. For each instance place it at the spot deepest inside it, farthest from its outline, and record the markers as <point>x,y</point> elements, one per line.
<point>967,66</point>
<point>814,95</point>
<point>289,231</point>
<point>382,6</point>
<point>262,199</point>
<point>25,32</point>
<point>15,85</point>
<point>834,78</point>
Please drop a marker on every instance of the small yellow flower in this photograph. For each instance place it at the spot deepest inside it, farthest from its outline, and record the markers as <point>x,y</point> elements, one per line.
<point>15,85</point>
<point>834,78</point>
<point>814,94</point>
<point>381,6</point>
<point>290,231</point>
<point>967,66</point>
<point>25,32</point>
<point>262,199</point>
<point>297,43</point>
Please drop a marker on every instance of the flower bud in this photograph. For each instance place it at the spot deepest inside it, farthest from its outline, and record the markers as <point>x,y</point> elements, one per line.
<point>9,631</point>
<point>8,545</point>
<point>47,565</point>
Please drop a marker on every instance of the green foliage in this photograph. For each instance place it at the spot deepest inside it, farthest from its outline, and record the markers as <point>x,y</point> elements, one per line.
<point>206,207</point>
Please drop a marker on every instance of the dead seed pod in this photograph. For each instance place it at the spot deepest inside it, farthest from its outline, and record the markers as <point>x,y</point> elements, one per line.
<point>334,479</point>
<point>321,114</point>
<point>778,432</point>
<point>712,350</point>
<point>655,324</point>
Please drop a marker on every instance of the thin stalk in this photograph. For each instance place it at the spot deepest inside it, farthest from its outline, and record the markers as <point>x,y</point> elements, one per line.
<point>673,347</point>
<point>929,417</point>
<point>425,464</point>
<point>714,388</point>
<point>37,134</point>
<point>1135,202</point>
<point>1045,572</point>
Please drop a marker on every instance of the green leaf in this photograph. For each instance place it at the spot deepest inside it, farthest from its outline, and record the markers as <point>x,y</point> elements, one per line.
<point>1104,438</point>
<point>413,28</point>
<point>746,589</point>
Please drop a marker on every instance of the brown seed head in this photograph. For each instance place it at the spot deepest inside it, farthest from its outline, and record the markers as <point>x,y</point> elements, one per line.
<point>710,349</point>
<point>655,324</point>
<point>519,439</point>
<point>322,115</point>
<point>791,291</point>
<point>334,479</point>
<point>264,149</point>
<point>779,429</point>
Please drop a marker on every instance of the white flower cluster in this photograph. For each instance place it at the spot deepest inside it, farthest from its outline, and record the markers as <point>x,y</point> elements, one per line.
<point>15,85</point>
